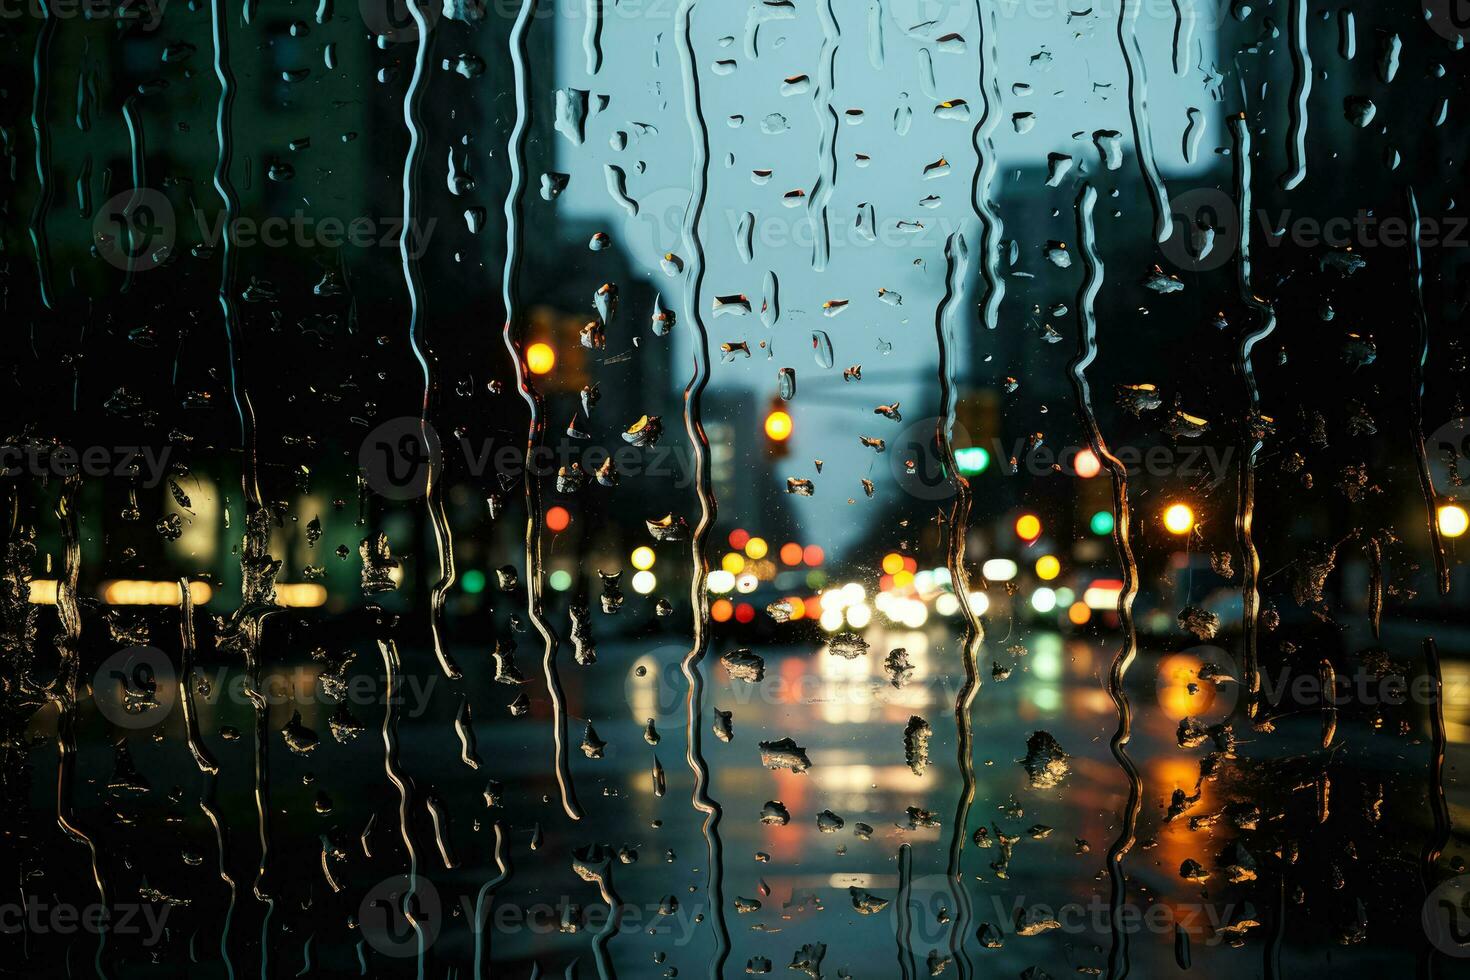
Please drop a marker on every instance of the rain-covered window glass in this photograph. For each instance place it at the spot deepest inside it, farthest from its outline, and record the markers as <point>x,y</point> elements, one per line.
<point>708,488</point>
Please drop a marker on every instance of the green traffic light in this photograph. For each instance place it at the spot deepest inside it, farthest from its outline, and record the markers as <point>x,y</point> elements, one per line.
<point>972,461</point>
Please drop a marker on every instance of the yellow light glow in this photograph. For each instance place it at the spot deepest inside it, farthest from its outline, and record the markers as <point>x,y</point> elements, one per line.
<point>1453,520</point>
<point>43,591</point>
<point>756,548</point>
<point>1178,519</point>
<point>132,592</point>
<point>892,563</point>
<point>540,358</point>
<point>778,426</point>
<point>1028,527</point>
<point>733,563</point>
<point>1048,568</point>
<point>1181,693</point>
<point>642,558</point>
<point>299,595</point>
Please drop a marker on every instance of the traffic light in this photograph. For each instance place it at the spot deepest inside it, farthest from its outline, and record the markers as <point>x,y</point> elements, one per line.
<point>1179,519</point>
<point>778,428</point>
<point>972,460</point>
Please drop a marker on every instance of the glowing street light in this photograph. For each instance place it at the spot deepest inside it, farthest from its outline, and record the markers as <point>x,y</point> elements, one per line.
<point>1453,520</point>
<point>778,426</point>
<point>540,358</point>
<point>1178,519</point>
